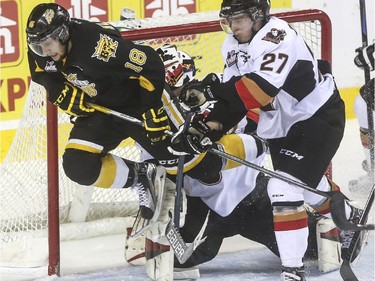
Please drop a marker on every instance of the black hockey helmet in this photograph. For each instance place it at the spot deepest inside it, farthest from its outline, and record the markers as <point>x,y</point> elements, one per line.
<point>232,8</point>
<point>46,21</point>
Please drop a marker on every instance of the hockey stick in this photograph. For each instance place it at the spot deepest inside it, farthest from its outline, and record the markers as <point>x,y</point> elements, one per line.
<point>337,199</point>
<point>180,179</point>
<point>180,248</point>
<point>370,117</point>
<point>346,271</point>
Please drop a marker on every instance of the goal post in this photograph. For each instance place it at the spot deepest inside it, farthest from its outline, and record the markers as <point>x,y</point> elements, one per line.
<point>38,200</point>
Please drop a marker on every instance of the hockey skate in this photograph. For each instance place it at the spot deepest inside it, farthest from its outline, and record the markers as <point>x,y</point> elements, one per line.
<point>149,187</point>
<point>352,241</point>
<point>293,274</point>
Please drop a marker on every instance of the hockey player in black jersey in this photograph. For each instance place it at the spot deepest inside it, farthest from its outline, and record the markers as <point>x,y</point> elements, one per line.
<point>269,66</point>
<point>79,61</point>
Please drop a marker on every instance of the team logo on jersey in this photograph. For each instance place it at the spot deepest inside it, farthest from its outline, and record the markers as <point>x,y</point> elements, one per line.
<point>84,85</point>
<point>105,49</point>
<point>50,66</point>
<point>231,58</point>
<point>275,35</point>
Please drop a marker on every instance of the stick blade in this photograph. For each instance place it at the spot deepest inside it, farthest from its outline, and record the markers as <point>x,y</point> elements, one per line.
<point>346,272</point>
<point>337,206</point>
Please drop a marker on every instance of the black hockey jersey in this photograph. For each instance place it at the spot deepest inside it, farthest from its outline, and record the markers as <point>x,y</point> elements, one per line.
<point>115,72</point>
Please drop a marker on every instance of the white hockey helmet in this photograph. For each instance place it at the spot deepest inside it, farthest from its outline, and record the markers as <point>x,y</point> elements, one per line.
<point>179,66</point>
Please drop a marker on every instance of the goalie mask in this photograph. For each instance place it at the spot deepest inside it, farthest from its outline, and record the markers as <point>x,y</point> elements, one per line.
<point>179,66</point>
<point>47,28</point>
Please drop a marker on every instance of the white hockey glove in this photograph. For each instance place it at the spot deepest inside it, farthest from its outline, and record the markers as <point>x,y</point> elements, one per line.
<point>365,57</point>
<point>197,95</point>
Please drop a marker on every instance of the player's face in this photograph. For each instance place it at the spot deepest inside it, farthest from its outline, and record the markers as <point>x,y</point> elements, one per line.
<point>50,47</point>
<point>240,25</point>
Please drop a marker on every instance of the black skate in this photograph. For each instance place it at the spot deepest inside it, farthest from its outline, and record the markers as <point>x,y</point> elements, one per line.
<point>293,274</point>
<point>352,241</point>
<point>150,187</point>
<point>145,189</point>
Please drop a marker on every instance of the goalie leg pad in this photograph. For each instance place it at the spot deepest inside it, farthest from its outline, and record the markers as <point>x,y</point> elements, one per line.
<point>140,224</point>
<point>159,255</point>
<point>135,248</point>
<point>329,246</point>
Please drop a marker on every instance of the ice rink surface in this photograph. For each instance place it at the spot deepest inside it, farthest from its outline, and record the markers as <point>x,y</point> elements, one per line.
<point>102,258</point>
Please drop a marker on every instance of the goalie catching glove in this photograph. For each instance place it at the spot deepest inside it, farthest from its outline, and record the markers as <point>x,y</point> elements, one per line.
<point>73,101</point>
<point>197,95</point>
<point>197,139</point>
<point>155,122</point>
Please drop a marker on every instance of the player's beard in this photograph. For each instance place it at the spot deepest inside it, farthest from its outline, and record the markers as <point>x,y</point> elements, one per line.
<point>64,51</point>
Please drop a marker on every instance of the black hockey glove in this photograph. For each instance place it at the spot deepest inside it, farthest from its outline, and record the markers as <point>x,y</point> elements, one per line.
<point>365,57</point>
<point>198,138</point>
<point>73,101</point>
<point>156,122</point>
<point>196,95</point>
<point>367,93</point>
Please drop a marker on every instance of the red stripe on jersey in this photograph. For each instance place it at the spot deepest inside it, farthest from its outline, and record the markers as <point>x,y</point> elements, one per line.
<point>253,116</point>
<point>290,225</point>
<point>246,96</point>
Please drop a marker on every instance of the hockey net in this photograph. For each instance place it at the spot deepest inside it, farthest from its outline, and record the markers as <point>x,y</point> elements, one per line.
<point>25,179</point>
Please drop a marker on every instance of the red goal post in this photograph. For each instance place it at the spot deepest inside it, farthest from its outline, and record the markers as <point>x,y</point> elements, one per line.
<point>199,35</point>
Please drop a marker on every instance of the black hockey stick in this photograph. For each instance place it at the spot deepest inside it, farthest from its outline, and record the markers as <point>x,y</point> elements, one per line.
<point>337,198</point>
<point>346,271</point>
<point>180,178</point>
<point>180,248</point>
<point>366,69</point>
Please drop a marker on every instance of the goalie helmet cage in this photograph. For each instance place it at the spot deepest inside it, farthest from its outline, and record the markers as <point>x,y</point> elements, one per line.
<point>24,214</point>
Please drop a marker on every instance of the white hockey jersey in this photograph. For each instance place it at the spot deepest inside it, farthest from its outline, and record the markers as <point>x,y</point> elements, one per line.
<point>284,67</point>
<point>234,185</point>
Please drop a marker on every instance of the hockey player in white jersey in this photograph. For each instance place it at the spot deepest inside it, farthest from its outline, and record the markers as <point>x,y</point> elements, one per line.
<point>269,66</point>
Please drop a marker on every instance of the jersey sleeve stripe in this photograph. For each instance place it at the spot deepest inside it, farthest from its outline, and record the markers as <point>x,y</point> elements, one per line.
<point>251,94</point>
